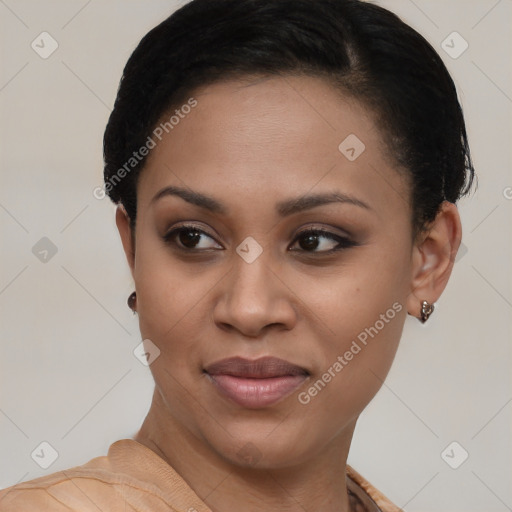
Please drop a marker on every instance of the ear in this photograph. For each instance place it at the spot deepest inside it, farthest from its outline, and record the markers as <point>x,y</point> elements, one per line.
<point>433,258</point>
<point>123,225</point>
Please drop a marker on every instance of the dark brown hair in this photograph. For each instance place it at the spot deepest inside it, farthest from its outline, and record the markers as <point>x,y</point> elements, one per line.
<point>363,49</point>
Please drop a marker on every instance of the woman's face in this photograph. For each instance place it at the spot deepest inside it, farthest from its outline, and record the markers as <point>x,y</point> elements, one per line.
<point>248,281</point>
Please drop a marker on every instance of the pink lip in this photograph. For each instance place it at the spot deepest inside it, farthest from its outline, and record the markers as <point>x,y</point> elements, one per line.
<point>258,383</point>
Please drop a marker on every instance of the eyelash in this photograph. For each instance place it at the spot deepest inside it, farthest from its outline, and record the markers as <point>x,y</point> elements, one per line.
<point>343,242</point>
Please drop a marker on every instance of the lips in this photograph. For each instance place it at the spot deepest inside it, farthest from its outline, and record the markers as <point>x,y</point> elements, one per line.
<point>255,383</point>
<point>263,368</point>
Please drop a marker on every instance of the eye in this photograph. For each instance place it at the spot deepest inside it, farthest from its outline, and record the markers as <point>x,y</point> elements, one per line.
<point>314,240</point>
<point>318,240</point>
<point>190,237</point>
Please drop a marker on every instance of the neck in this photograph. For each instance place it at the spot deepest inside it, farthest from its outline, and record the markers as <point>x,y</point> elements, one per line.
<point>318,483</point>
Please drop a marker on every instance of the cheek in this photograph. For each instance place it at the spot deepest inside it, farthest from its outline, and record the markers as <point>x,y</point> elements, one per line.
<point>169,296</point>
<point>167,286</point>
<point>370,282</point>
<point>355,364</point>
<point>362,310</point>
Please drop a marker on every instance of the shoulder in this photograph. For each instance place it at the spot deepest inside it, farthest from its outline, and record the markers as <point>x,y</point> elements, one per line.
<point>129,478</point>
<point>96,485</point>
<point>89,487</point>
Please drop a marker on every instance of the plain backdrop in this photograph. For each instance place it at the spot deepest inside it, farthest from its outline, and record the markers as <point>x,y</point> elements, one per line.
<point>68,373</point>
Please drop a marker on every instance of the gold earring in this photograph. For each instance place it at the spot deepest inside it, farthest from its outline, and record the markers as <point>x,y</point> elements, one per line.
<point>426,310</point>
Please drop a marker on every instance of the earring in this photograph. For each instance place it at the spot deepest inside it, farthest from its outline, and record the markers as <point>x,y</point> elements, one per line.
<point>132,300</point>
<point>426,310</point>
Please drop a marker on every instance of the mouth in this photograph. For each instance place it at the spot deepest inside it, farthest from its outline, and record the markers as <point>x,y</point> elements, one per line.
<point>258,383</point>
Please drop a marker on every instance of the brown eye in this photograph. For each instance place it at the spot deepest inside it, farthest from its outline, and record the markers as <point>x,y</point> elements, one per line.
<point>322,241</point>
<point>190,238</point>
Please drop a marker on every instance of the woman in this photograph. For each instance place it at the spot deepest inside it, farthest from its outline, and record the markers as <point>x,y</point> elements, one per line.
<point>286,174</point>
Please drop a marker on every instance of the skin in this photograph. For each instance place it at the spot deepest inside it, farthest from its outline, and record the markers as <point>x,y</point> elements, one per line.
<point>251,145</point>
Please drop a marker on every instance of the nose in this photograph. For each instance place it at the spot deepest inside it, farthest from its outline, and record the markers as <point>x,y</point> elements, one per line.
<point>254,298</point>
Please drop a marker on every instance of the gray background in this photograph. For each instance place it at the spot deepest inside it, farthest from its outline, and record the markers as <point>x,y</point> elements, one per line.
<point>68,373</point>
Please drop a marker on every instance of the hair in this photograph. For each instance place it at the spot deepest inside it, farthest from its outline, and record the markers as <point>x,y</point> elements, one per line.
<point>365,51</point>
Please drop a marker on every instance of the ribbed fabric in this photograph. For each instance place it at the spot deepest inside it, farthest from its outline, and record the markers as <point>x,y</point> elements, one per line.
<point>366,491</point>
<point>132,478</point>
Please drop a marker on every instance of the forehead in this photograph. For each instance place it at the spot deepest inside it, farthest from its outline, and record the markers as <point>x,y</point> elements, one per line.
<point>274,138</point>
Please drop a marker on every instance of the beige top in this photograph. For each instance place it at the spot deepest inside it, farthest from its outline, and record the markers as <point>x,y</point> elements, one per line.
<point>133,478</point>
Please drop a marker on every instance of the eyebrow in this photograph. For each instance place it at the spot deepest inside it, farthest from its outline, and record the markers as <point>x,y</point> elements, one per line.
<point>283,208</point>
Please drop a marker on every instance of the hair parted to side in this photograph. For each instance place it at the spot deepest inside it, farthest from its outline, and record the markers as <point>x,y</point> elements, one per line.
<point>364,50</point>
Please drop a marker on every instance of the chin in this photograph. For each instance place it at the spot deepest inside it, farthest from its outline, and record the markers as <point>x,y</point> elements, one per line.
<point>263,447</point>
